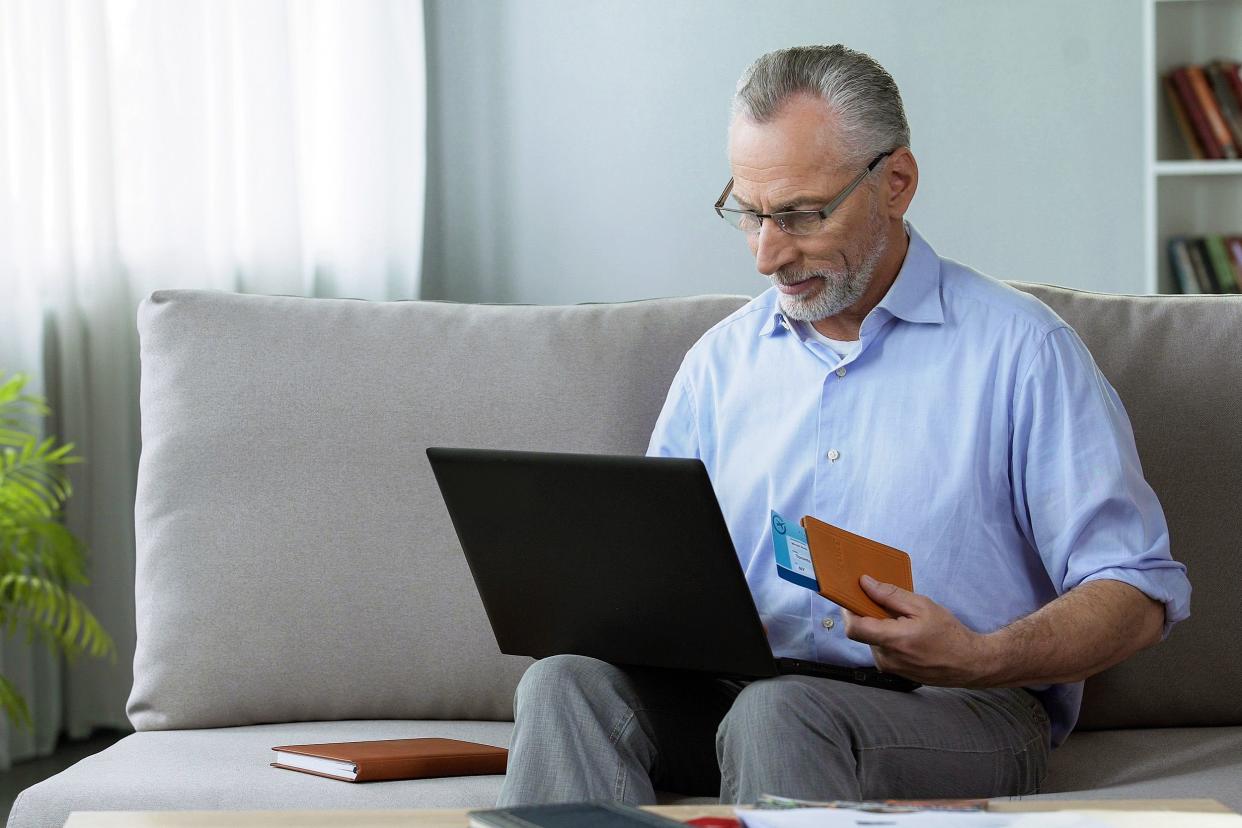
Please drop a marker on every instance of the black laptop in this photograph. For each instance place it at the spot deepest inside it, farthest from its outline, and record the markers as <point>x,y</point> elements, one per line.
<point>626,559</point>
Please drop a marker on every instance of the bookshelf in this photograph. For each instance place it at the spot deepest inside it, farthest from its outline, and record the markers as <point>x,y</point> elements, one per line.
<point>1184,196</point>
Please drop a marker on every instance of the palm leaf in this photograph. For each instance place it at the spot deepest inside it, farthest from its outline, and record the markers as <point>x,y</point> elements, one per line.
<point>39,557</point>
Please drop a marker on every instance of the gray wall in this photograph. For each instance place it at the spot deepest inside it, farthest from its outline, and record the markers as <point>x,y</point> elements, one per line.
<point>576,147</point>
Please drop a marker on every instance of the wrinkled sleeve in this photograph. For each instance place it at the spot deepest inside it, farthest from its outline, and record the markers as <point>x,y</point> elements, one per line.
<point>1080,495</point>
<point>676,432</point>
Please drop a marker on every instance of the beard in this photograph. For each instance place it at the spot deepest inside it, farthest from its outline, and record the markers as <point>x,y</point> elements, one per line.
<point>839,288</point>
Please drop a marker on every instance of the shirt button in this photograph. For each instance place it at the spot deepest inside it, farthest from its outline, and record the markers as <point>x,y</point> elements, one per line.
<point>829,623</point>
<point>841,371</point>
<point>834,455</point>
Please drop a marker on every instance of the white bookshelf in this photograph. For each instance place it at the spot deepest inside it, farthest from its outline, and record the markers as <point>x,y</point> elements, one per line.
<point>1184,196</point>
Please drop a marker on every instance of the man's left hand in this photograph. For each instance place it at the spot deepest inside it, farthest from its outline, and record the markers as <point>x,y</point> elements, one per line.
<point>925,642</point>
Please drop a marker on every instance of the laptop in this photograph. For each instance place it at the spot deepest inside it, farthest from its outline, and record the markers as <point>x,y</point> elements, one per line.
<point>625,559</point>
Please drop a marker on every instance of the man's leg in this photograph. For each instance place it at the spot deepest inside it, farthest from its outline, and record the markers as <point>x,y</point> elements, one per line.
<point>586,729</point>
<point>814,738</point>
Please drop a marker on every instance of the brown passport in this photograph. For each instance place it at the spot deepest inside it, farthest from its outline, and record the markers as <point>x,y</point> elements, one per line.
<point>388,759</point>
<point>841,558</point>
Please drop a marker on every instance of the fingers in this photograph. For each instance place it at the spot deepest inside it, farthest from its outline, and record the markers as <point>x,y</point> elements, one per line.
<point>891,596</point>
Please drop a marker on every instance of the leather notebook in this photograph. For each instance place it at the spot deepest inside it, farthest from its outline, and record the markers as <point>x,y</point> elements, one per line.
<point>841,558</point>
<point>388,759</point>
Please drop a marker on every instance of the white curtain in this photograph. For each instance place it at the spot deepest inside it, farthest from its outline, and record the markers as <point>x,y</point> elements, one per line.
<point>267,146</point>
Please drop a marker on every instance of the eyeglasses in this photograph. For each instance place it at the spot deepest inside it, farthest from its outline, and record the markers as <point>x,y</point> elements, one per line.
<point>794,222</point>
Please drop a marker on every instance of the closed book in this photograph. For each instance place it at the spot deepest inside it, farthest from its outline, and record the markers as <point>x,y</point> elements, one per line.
<point>1218,257</point>
<point>1180,118</point>
<point>1203,267</point>
<point>383,760</point>
<point>1194,109</point>
<point>1211,108</point>
<point>569,815</point>
<point>1183,268</point>
<point>1216,73</point>
<point>1234,245</point>
<point>1232,71</point>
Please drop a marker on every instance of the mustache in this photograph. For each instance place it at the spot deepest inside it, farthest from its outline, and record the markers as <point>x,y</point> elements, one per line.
<point>793,277</point>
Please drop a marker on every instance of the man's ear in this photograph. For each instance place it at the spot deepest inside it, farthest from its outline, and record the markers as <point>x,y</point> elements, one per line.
<point>902,179</point>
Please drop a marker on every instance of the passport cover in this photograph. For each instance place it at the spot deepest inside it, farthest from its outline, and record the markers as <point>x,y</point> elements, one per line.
<point>842,557</point>
<point>387,759</point>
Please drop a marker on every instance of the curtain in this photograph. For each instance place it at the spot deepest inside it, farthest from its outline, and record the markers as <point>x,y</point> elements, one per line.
<point>267,146</point>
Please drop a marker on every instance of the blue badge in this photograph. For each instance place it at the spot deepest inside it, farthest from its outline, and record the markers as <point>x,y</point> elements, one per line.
<point>793,556</point>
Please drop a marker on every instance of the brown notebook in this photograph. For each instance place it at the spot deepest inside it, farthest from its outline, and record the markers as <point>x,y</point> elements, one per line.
<point>387,759</point>
<point>841,558</point>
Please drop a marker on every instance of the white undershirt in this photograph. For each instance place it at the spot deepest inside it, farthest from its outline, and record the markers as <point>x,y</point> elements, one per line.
<point>840,347</point>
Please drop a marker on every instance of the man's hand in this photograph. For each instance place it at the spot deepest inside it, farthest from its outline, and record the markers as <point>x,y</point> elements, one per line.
<point>1088,629</point>
<point>925,642</point>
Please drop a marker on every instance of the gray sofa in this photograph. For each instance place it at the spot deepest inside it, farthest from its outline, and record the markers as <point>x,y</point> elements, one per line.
<point>298,579</point>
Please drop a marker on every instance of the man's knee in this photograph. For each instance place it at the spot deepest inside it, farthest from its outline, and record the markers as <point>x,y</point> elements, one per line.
<point>559,680</point>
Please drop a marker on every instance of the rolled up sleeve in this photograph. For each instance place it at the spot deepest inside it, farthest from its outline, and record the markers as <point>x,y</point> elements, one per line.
<point>1080,496</point>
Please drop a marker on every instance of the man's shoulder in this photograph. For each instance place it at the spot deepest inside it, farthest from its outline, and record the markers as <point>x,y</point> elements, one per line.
<point>741,327</point>
<point>970,295</point>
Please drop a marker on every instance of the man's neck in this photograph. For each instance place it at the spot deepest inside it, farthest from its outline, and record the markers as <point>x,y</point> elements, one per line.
<point>846,324</point>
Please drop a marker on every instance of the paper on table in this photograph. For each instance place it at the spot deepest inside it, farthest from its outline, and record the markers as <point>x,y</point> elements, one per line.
<point>846,818</point>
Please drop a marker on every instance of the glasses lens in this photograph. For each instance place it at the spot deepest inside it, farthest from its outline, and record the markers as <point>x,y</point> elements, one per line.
<point>799,223</point>
<point>746,222</point>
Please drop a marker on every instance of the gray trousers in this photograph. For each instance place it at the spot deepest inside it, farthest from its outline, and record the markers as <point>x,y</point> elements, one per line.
<point>586,729</point>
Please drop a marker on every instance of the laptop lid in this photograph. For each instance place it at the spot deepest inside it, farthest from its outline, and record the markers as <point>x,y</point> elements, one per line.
<point>626,559</point>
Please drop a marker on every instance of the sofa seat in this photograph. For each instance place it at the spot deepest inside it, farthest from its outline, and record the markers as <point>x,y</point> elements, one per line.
<point>1151,763</point>
<point>227,769</point>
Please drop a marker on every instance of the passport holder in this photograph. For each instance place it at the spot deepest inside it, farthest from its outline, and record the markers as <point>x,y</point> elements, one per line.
<point>841,558</point>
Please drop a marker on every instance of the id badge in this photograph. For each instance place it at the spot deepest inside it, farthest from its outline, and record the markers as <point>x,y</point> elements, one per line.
<point>793,555</point>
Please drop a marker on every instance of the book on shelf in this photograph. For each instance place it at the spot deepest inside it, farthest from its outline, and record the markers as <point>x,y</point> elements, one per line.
<point>1206,264</point>
<point>1206,105</point>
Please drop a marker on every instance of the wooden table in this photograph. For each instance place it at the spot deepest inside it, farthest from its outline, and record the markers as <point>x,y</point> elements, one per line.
<point>1215,815</point>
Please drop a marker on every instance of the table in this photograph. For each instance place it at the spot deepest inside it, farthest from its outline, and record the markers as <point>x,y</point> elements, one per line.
<point>1215,814</point>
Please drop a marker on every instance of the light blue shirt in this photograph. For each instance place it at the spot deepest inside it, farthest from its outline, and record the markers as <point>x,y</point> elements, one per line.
<point>970,428</point>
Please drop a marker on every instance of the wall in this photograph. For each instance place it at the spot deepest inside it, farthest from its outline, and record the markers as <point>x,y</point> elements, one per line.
<point>575,148</point>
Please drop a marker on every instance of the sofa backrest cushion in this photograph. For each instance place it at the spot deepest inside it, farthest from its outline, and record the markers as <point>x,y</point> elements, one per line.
<point>1176,362</point>
<point>295,560</point>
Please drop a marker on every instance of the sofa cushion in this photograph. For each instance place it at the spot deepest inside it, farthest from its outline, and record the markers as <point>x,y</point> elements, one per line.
<point>295,561</point>
<point>1176,362</point>
<point>1160,763</point>
<point>227,769</point>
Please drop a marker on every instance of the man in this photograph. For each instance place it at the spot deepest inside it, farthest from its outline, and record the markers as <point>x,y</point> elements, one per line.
<point>909,399</point>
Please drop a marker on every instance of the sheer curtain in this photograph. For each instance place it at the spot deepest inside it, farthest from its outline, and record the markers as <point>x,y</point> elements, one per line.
<point>269,146</point>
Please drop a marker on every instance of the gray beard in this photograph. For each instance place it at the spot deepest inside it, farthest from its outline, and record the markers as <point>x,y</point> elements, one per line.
<point>838,289</point>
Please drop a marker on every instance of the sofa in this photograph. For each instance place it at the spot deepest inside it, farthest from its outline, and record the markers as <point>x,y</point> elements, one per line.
<point>298,579</point>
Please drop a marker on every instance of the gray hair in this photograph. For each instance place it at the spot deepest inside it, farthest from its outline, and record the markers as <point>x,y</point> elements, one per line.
<point>855,87</point>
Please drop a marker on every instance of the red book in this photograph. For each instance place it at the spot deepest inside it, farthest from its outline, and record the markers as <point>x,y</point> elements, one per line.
<point>1216,120</point>
<point>1194,110</point>
<point>1180,117</point>
<point>1234,79</point>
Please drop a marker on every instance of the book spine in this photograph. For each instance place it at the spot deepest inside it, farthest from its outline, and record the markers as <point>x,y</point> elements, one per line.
<point>1218,257</point>
<point>1190,101</point>
<point>1203,269</point>
<point>1181,118</point>
<point>1183,268</point>
<point>1198,82</point>
<point>1234,244</point>
<point>1233,77</point>
<point>1216,72</point>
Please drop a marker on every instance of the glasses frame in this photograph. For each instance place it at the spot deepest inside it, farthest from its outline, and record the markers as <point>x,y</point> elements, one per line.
<point>781,217</point>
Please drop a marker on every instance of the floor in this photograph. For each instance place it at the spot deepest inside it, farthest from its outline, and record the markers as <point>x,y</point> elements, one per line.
<point>24,774</point>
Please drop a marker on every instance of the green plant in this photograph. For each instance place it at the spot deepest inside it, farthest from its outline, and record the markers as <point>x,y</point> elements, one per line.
<point>39,558</point>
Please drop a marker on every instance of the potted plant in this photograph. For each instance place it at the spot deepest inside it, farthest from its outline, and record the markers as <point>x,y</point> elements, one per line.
<point>39,558</point>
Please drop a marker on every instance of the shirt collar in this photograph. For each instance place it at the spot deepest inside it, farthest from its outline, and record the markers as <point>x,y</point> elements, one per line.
<point>914,295</point>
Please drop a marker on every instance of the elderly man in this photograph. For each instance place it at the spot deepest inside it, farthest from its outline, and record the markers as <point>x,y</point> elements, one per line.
<point>909,399</point>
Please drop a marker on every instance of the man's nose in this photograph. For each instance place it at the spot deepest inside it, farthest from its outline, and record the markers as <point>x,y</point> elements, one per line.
<point>774,248</point>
